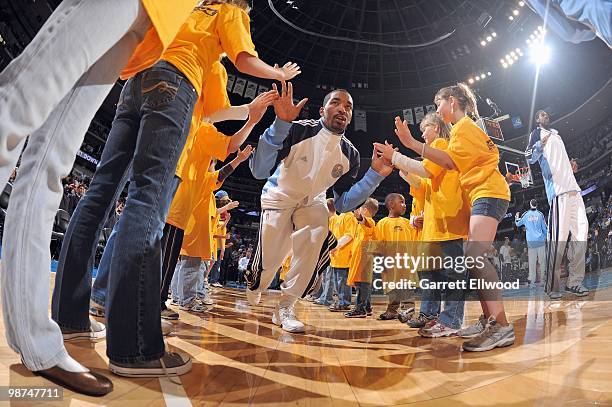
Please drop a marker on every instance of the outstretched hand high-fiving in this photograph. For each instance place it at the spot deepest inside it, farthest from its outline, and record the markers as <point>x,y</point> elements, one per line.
<point>283,106</point>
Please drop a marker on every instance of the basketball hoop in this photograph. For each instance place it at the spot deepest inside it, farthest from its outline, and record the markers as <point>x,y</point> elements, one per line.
<point>522,175</point>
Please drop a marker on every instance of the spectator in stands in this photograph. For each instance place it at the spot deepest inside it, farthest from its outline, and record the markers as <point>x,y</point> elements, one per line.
<point>505,253</point>
<point>113,217</point>
<point>243,263</point>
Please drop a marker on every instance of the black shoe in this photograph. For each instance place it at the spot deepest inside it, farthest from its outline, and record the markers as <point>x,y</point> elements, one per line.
<point>356,312</point>
<point>577,290</point>
<point>339,308</point>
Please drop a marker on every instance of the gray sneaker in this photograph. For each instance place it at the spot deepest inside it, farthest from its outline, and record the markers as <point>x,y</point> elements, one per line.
<point>171,364</point>
<point>493,336</point>
<point>476,329</point>
<point>556,295</point>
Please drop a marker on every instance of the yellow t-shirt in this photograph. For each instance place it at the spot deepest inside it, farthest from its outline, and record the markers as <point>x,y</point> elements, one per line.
<point>345,224</point>
<point>167,17</point>
<point>213,99</point>
<point>446,210</point>
<point>193,170</point>
<point>397,236</point>
<point>477,159</point>
<point>197,239</point>
<point>360,270</point>
<point>209,32</point>
<point>214,220</point>
<point>220,230</point>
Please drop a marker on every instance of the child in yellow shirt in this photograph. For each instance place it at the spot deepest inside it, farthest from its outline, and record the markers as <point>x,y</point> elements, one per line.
<point>445,227</point>
<point>360,274</point>
<point>475,157</point>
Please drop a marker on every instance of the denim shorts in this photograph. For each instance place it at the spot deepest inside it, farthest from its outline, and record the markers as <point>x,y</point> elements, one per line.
<point>494,207</point>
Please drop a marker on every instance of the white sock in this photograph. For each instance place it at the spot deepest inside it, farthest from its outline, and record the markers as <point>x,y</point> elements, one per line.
<point>71,365</point>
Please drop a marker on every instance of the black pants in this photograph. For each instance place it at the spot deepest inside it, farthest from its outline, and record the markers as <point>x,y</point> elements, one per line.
<point>172,240</point>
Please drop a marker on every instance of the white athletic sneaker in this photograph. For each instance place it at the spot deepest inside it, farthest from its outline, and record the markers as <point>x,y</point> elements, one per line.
<point>286,319</point>
<point>253,297</point>
<point>207,300</point>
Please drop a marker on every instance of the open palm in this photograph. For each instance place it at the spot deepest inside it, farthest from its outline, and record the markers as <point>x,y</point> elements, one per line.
<point>283,106</point>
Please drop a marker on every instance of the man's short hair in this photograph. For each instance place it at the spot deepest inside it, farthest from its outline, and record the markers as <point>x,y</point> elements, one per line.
<point>540,112</point>
<point>328,96</point>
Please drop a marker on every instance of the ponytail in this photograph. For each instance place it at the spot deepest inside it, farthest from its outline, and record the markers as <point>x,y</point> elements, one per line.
<point>465,97</point>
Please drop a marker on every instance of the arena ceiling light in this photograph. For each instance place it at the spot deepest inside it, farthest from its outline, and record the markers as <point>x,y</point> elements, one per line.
<point>539,53</point>
<point>488,38</point>
<point>478,77</point>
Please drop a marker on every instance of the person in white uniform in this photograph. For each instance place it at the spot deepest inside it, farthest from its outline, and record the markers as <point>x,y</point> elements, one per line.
<point>301,160</point>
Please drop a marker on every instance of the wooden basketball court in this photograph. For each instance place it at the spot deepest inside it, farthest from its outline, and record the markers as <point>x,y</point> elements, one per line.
<point>562,356</point>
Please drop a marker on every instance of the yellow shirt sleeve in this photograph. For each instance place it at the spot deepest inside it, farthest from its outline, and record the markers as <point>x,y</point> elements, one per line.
<point>462,149</point>
<point>234,31</point>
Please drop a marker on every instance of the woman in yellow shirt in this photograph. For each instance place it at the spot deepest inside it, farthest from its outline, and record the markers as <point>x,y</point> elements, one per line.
<point>476,158</point>
<point>445,226</point>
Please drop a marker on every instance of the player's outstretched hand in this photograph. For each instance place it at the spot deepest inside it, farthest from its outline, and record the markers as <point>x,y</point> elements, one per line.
<point>380,165</point>
<point>385,151</point>
<point>283,106</point>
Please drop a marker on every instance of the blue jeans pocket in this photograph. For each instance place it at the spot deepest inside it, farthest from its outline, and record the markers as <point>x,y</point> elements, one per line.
<point>159,87</point>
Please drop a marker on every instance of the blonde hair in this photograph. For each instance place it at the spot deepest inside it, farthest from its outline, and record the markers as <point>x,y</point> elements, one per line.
<point>243,4</point>
<point>464,95</point>
<point>433,118</point>
<point>371,205</point>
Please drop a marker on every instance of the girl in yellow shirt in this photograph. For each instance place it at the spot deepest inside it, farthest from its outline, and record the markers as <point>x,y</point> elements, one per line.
<point>445,226</point>
<point>476,158</point>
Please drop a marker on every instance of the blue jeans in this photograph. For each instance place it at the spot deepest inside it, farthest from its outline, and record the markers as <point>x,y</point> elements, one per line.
<point>100,285</point>
<point>344,291</point>
<point>201,287</point>
<point>364,295</point>
<point>430,299</point>
<point>213,276</point>
<point>329,286</point>
<point>188,278</point>
<point>454,299</point>
<point>149,131</point>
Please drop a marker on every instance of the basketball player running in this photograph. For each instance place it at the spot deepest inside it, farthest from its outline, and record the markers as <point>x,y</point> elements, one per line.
<point>301,161</point>
<point>567,213</point>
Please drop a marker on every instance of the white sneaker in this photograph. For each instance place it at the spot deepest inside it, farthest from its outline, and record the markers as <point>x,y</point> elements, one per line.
<point>286,319</point>
<point>253,297</point>
<point>207,300</point>
<point>167,327</point>
<point>218,285</point>
<point>97,330</point>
